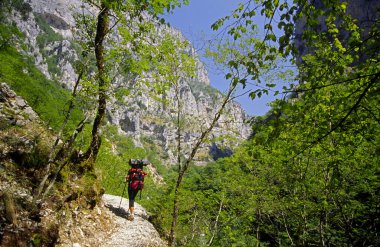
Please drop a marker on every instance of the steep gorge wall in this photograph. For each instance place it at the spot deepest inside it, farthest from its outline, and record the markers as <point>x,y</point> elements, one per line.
<point>49,35</point>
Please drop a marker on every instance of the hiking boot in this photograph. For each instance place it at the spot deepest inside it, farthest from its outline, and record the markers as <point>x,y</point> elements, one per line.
<point>131,217</point>
<point>131,213</point>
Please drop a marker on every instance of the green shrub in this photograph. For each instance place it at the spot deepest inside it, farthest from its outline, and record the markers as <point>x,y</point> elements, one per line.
<point>8,32</point>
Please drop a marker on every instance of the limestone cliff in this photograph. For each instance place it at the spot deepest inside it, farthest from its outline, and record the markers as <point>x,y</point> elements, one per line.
<point>49,35</point>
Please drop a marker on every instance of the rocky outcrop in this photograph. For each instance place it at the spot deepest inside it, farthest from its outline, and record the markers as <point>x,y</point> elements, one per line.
<point>15,112</point>
<point>23,142</point>
<point>139,232</point>
<point>49,35</point>
<point>107,225</point>
<point>13,109</point>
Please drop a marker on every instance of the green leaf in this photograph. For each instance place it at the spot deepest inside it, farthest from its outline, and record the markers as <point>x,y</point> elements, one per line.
<point>252,95</point>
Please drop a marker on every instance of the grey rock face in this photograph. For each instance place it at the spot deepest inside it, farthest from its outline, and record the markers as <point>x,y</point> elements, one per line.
<point>137,115</point>
<point>13,109</point>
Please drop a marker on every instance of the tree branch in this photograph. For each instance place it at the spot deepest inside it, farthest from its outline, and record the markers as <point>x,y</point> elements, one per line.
<point>340,123</point>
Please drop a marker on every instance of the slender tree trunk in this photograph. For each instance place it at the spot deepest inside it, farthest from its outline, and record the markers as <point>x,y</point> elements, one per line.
<point>178,128</point>
<point>53,150</point>
<point>101,32</point>
<point>180,173</point>
<point>68,150</point>
<point>215,230</point>
<point>184,168</point>
<point>175,209</point>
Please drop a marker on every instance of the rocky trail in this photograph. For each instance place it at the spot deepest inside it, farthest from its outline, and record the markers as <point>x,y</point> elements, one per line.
<point>107,226</point>
<point>137,233</point>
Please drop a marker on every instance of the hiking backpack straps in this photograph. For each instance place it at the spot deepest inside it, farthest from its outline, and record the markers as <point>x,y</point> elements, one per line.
<point>136,178</point>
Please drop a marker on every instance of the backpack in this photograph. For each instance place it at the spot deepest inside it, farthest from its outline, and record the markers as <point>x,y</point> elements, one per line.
<point>136,178</point>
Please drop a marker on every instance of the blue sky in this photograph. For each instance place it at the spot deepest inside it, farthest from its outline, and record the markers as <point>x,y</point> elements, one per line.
<point>194,21</point>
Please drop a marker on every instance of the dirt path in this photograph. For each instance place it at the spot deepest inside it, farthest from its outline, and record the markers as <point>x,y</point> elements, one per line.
<point>139,232</point>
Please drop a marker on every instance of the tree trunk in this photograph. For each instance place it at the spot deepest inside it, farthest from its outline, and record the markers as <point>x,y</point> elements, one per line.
<point>180,173</point>
<point>215,230</point>
<point>183,169</point>
<point>101,32</point>
<point>59,136</point>
<point>175,209</point>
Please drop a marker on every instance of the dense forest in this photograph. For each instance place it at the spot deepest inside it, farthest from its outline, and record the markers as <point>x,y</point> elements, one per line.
<point>308,175</point>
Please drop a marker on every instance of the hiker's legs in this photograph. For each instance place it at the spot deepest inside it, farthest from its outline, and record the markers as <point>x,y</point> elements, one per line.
<point>132,194</point>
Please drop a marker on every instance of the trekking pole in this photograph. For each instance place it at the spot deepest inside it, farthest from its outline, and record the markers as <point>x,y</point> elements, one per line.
<point>122,194</point>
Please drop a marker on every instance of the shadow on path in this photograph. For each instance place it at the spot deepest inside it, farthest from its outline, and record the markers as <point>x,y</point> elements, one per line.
<point>117,211</point>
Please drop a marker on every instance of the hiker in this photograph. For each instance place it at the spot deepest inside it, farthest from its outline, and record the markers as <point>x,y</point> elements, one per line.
<point>135,180</point>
